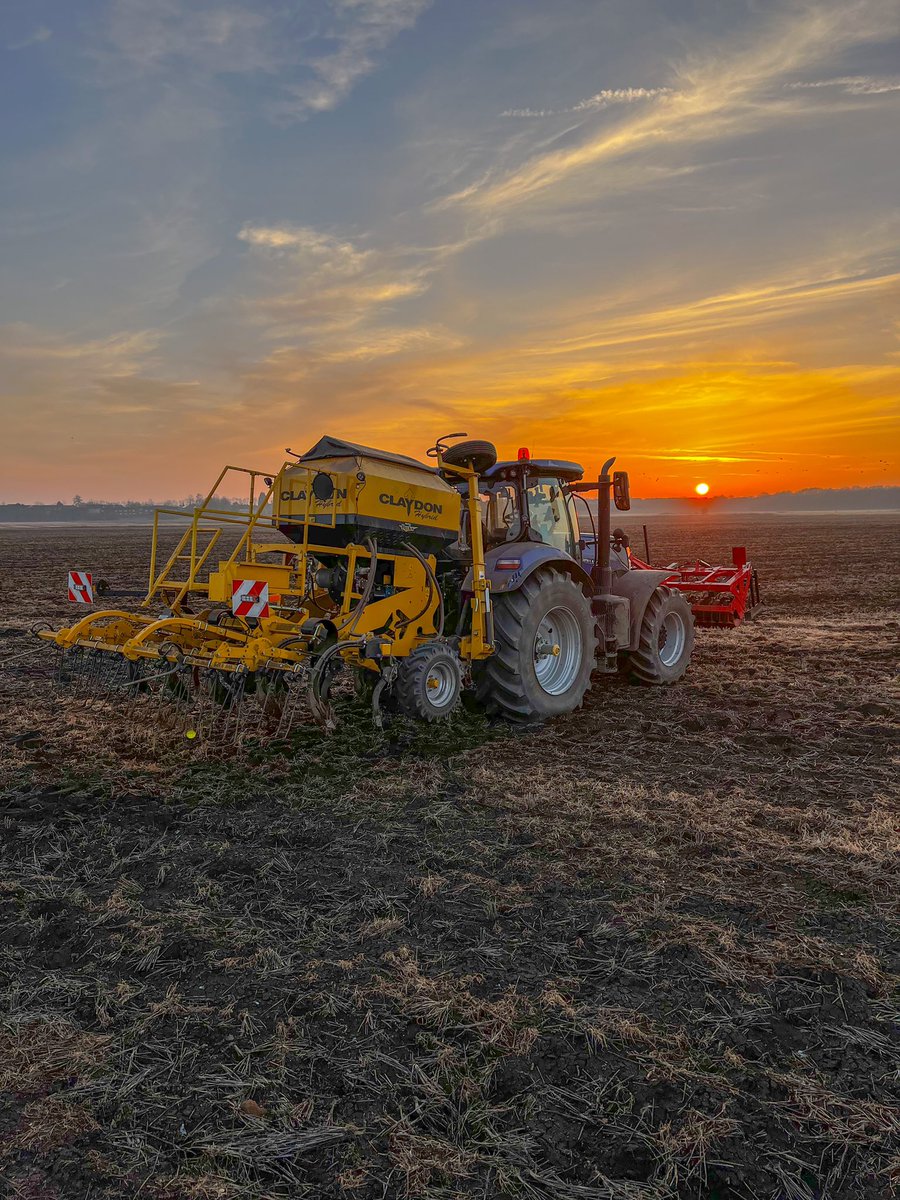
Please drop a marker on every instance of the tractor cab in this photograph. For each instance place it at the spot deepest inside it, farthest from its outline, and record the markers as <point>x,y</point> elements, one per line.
<point>527,500</point>
<point>543,500</point>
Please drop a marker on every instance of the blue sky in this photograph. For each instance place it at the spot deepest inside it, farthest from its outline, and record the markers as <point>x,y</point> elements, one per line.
<point>667,230</point>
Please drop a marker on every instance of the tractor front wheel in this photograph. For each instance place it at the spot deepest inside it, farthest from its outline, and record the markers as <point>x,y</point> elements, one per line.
<point>667,639</point>
<point>544,652</point>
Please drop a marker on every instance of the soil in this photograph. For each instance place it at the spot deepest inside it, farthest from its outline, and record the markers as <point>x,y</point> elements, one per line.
<point>647,951</point>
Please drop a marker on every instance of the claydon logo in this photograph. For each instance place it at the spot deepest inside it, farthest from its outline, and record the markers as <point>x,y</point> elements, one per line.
<point>423,509</point>
<point>288,495</point>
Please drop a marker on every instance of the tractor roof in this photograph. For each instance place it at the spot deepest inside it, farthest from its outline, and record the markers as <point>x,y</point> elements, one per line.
<point>540,466</point>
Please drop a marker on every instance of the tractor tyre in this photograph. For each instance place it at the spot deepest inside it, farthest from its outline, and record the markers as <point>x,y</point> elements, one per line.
<point>428,683</point>
<point>481,456</point>
<point>545,647</point>
<point>666,642</point>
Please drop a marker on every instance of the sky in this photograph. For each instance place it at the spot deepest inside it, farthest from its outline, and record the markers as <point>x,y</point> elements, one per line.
<point>667,230</point>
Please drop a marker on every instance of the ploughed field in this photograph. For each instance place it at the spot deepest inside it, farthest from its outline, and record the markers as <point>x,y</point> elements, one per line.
<point>647,951</point>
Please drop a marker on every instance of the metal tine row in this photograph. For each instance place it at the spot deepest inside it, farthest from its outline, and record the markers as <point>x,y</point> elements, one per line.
<point>259,710</point>
<point>294,706</point>
<point>224,711</point>
<point>91,676</point>
<point>138,695</point>
<point>161,704</point>
<point>277,703</point>
<point>220,715</point>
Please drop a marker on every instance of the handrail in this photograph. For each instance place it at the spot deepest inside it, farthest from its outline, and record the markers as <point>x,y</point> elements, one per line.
<point>247,537</point>
<point>200,554</point>
<point>249,520</point>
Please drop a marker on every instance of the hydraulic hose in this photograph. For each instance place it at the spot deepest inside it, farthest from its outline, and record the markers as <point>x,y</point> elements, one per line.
<point>372,547</point>
<point>433,587</point>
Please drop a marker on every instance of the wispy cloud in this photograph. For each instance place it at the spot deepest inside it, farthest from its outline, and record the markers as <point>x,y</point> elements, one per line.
<point>331,293</point>
<point>329,44</point>
<point>41,34</point>
<point>710,315</point>
<point>213,37</point>
<point>853,85</point>
<point>714,95</point>
<point>602,99</point>
<point>26,351</point>
<point>360,30</point>
<point>324,250</point>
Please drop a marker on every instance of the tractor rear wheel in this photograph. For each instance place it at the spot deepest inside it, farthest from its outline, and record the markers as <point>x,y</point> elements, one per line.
<point>545,645</point>
<point>667,639</point>
<point>429,682</point>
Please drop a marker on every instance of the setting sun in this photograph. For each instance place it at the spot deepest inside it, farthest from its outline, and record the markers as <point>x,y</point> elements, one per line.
<point>701,489</point>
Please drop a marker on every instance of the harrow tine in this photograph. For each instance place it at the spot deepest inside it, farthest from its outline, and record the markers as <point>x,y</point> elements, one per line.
<point>112,675</point>
<point>215,703</point>
<point>72,669</point>
<point>60,666</point>
<point>153,695</point>
<point>236,714</point>
<point>203,714</point>
<point>321,678</point>
<point>260,707</point>
<point>133,690</point>
<point>218,701</point>
<point>293,688</point>
<point>210,702</point>
<point>275,698</point>
<point>93,674</point>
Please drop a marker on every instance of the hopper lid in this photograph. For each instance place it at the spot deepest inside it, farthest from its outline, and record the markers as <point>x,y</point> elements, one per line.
<point>332,447</point>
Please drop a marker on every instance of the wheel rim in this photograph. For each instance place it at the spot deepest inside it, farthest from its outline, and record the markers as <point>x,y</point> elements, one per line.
<point>672,636</point>
<point>558,651</point>
<point>440,685</point>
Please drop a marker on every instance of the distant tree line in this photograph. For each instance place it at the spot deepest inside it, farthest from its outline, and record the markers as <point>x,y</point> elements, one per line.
<point>226,502</point>
<point>112,510</point>
<point>853,499</point>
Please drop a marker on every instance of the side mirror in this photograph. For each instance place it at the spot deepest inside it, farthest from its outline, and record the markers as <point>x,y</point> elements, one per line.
<point>621,495</point>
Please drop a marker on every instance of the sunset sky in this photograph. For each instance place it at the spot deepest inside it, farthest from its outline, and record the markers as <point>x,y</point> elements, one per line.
<point>663,229</point>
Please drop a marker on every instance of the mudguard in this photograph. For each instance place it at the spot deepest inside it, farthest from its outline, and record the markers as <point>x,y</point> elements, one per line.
<point>637,587</point>
<point>531,556</point>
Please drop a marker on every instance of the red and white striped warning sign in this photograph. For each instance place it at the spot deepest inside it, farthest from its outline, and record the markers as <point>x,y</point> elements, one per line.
<point>249,598</point>
<point>81,587</point>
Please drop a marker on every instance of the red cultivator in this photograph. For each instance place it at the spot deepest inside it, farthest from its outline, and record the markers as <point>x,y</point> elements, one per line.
<point>719,596</point>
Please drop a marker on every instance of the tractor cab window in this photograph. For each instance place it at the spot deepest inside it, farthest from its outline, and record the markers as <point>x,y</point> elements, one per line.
<point>549,515</point>
<point>582,517</point>
<point>503,520</point>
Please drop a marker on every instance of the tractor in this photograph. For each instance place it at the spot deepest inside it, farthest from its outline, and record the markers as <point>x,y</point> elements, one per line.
<point>415,581</point>
<point>566,601</point>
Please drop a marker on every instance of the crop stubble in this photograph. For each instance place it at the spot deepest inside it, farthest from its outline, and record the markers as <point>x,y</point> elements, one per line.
<point>646,951</point>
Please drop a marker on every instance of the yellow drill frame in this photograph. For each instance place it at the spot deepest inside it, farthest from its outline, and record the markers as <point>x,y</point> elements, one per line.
<point>479,643</point>
<point>278,641</point>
